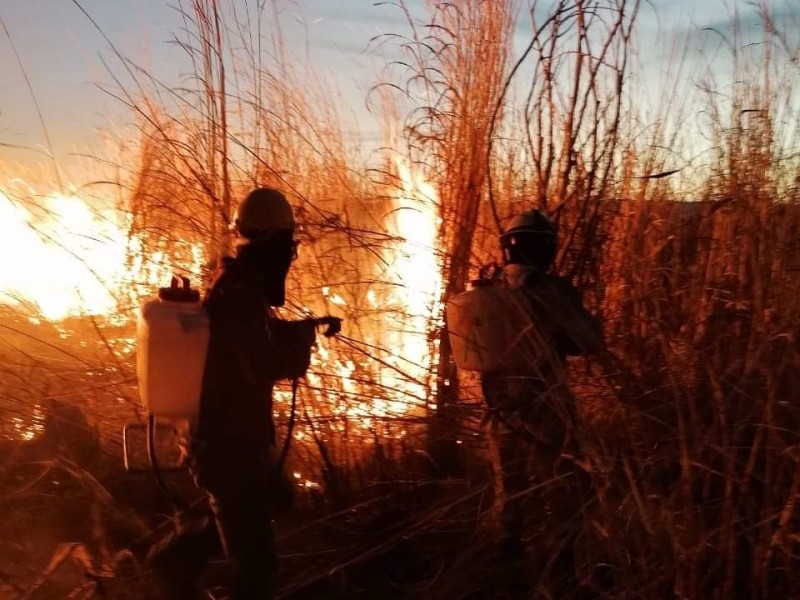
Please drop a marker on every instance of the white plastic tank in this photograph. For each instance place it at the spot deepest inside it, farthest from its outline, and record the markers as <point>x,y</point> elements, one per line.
<point>172,336</point>
<point>493,328</point>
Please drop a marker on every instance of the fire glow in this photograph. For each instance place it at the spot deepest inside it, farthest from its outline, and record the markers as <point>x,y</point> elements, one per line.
<point>78,261</point>
<point>417,275</point>
<point>400,382</point>
<point>64,259</point>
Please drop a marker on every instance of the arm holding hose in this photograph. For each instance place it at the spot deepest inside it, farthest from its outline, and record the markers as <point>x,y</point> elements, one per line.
<point>291,341</point>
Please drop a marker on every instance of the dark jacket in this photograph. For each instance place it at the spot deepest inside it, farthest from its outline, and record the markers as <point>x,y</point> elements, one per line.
<point>559,326</point>
<point>532,399</point>
<point>558,309</point>
<point>249,350</point>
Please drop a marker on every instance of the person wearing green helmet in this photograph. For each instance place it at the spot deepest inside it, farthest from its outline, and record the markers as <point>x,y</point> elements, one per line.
<point>232,452</point>
<point>530,405</point>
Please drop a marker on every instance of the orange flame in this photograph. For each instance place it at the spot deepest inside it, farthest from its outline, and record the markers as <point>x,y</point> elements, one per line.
<point>66,259</point>
<point>417,272</point>
<point>63,258</point>
<point>394,382</point>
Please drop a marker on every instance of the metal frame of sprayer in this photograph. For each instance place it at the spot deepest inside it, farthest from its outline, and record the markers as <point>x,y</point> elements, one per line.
<point>168,306</point>
<point>156,469</point>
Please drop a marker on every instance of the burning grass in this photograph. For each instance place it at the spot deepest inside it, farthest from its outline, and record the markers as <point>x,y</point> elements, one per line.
<point>687,424</point>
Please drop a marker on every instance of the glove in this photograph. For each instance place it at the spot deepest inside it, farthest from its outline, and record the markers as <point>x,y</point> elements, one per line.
<point>334,325</point>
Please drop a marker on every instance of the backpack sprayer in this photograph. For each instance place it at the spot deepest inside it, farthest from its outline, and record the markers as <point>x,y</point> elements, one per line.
<point>492,328</point>
<point>172,337</point>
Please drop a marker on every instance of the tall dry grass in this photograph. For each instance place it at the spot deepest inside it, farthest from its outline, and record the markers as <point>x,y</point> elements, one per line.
<point>456,64</point>
<point>688,420</point>
<point>690,423</point>
<point>272,122</point>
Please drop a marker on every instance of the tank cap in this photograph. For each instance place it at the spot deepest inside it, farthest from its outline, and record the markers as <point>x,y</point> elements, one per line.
<point>179,293</point>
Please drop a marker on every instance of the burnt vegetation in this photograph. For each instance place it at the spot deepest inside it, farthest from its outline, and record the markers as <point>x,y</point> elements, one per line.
<point>678,219</point>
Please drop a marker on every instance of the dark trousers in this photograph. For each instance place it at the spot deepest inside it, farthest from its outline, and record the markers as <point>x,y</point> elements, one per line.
<point>528,430</point>
<point>245,492</point>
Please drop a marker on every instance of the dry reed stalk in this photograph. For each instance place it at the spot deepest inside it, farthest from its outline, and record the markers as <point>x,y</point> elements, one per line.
<point>695,469</point>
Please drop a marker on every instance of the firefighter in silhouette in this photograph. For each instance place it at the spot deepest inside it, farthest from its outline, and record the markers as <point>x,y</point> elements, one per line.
<point>531,409</point>
<point>232,453</point>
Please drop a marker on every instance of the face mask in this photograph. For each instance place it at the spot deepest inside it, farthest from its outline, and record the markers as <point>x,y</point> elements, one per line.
<point>271,259</point>
<point>275,271</point>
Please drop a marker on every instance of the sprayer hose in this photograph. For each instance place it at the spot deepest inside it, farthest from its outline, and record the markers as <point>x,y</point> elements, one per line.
<point>151,454</point>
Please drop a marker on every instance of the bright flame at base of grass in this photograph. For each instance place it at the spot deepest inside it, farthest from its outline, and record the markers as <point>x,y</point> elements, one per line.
<point>417,272</point>
<point>65,258</point>
<point>62,258</point>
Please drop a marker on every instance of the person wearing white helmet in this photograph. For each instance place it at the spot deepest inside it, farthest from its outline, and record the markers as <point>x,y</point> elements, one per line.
<point>530,405</point>
<point>232,454</point>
